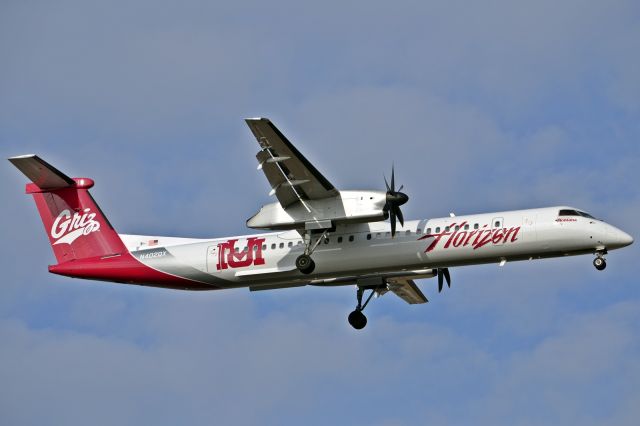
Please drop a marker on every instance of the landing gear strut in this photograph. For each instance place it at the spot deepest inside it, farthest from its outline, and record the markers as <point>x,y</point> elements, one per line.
<point>357,318</point>
<point>600,262</point>
<point>304,263</point>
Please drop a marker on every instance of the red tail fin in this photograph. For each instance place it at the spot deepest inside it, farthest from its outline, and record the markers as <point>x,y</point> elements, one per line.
<point>76,226</point>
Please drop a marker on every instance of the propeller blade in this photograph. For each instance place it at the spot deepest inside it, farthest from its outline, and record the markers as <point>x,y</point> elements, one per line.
<point>392,216</point>
<point>399,214</point>
<point>445,272</point>
<point>393,183</point>
<point>400,189</point>
<point>394,200</point>
<point>440,280</point>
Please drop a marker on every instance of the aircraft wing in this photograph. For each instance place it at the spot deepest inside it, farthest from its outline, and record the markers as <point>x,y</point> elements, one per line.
<point>407,290</point>
<point>291,176</point>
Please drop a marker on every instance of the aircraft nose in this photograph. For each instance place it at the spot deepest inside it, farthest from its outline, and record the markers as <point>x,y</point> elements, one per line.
<point>619,238</point>
<point>625,239</point>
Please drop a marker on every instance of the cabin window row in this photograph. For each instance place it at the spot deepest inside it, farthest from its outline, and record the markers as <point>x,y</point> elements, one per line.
<point>377,235</point>
<point>437,229</point>
<point>290,244</point>
<point>339,240</point>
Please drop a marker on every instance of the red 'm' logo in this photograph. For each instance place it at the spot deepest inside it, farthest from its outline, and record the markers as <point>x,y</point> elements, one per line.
<point>229,258</point>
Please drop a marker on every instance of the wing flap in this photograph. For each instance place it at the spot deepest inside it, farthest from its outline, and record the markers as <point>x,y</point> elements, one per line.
<point>407,290</point>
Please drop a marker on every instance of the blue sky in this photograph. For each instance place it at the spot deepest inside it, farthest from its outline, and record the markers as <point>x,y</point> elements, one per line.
<point>481,107</point>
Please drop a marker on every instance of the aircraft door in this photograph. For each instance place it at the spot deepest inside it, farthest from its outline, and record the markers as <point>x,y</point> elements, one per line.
<point>212,259</point>
<point>497,226</point>
<point>529,228</point>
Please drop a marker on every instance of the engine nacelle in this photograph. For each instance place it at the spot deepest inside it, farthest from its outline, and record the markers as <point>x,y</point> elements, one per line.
<point>349,206</point>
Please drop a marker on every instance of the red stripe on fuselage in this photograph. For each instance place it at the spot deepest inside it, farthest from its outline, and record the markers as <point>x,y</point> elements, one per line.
<point>124,268</point>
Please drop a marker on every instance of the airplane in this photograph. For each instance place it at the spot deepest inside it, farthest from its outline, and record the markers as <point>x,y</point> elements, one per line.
<point>323,236</point>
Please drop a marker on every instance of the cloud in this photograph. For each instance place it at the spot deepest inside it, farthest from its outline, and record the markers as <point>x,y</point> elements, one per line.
<point>206,363</point>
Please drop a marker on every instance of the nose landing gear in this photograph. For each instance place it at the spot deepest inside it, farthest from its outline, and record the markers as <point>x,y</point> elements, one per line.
<point>600,262</point>
<point>357,318</point>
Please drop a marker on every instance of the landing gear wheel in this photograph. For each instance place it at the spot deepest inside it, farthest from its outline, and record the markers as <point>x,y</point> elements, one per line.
<point>357,319</point>
<point>599,263</point>
<point>305,264</point>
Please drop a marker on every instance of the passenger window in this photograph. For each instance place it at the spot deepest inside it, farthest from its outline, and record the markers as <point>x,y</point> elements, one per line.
<point>378,235</point>
<point>244,248</point>
<point>437,230</point>
<point>466,227</point>
<point>339,239</point>
<point>446,228</point>
<point>273,246</point>
<point>368,236</point>
<point>264,247</point>
<point>290,244</point>
<point>350,238</point>
<point>428,231</point>
<point>476,226</point>
<point>457,227</point>
<point>281,245</point>
<point>237,249</point>
<point>419,231</point>
<point>255,248</point>
<point>497,224</point>
<point>408,232</point>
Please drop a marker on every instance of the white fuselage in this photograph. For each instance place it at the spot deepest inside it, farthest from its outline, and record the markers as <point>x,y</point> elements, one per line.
<point>356,251</point>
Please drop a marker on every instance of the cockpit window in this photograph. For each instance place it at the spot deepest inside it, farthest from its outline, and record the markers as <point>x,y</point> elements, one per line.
<point>567,212</point>
<point>587,215</point>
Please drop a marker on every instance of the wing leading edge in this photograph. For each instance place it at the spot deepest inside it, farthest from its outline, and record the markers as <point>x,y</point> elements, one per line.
<point>291,176</point>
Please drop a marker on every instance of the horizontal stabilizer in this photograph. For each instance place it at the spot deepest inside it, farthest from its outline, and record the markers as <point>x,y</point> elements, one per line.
<point>41,173</point>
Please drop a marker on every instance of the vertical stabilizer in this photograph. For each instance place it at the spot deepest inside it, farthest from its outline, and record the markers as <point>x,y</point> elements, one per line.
<point>75,225</point>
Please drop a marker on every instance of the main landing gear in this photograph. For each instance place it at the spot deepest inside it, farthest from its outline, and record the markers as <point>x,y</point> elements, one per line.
<point>357,318</point>
<point>304,263</point>
<point>600,262</point>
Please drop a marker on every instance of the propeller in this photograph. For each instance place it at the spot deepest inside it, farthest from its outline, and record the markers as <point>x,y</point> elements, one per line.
<point>443,273</point>
<point>394,200</point>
